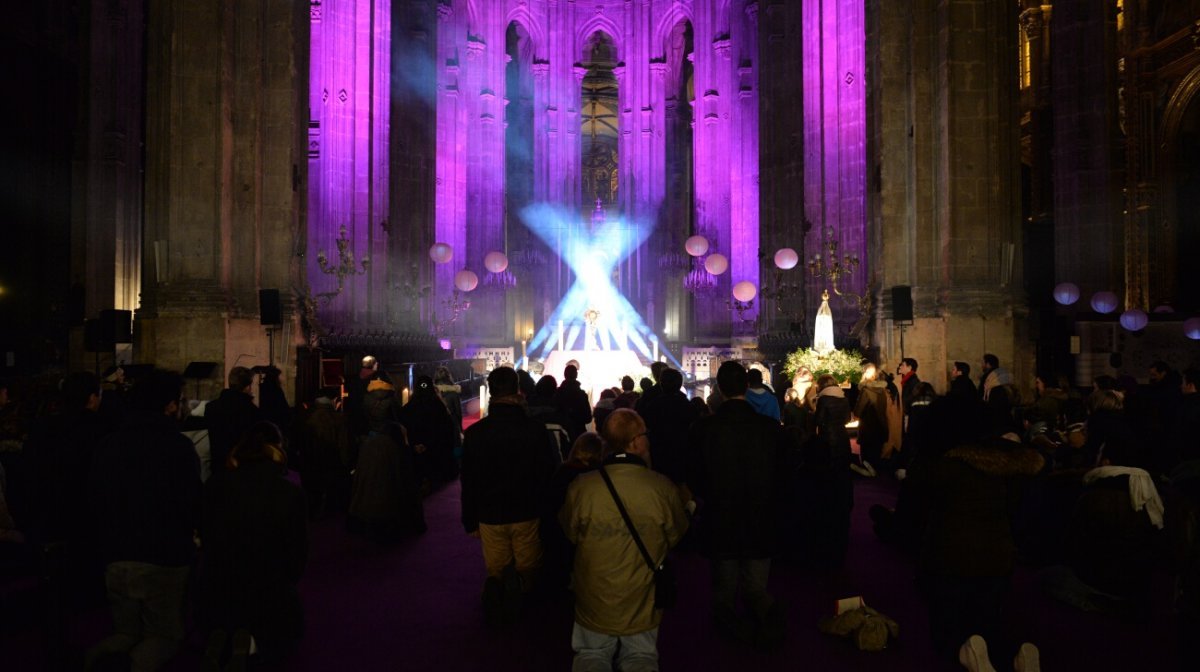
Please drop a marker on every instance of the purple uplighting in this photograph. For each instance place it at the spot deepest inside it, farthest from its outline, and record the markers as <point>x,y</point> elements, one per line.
<point>541,102</point>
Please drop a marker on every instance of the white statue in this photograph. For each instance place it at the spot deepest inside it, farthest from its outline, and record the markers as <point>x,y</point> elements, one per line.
<point>823,335</point>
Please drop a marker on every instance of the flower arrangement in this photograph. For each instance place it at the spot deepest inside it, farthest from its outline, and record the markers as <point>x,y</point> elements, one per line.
<point>845,365</point>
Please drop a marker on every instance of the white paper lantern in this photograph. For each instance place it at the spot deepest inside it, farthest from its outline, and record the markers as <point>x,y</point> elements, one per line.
<point>466,280</point>
<point>1104,302</point>
<point>441,253</point>
<point>786,259</point>
<point>716,263</point>
<point>1134,319</point>
<point>1066,293</point>
<point>745,291</point>
<point>495,262</point>
<point>696,245</point>
<point>1191,328</point>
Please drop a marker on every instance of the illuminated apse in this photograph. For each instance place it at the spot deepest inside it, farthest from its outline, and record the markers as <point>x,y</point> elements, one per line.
<point>544,113</point>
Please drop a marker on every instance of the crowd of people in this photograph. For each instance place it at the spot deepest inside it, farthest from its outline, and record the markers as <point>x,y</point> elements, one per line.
<point>1100,488</point>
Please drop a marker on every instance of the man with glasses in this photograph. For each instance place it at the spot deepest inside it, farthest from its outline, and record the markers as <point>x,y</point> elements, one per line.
<point>615,613</point>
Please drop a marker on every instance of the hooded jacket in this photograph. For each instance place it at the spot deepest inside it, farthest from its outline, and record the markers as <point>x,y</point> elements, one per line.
<point>973,493</point>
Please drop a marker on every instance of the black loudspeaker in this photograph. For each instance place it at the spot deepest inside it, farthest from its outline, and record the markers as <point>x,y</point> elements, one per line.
<point>902,307</point>
<point>116,326</point>
<point>268,307</point>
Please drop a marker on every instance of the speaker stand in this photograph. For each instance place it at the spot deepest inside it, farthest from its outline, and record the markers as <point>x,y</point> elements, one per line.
<point>271,346</point>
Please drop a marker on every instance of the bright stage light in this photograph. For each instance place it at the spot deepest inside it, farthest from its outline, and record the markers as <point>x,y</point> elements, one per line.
<point>593,257</point>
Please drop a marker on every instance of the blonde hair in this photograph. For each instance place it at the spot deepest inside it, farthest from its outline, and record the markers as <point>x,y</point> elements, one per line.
<point>263,441</point>
<point>587,450</point>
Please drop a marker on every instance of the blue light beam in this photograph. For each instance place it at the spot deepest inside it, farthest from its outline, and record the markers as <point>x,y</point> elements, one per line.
<point>592,257</point>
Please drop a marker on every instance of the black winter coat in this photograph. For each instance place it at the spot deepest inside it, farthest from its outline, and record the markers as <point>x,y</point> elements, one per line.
<point>668,419</point>
<point>255,546</point>
<point>507,460</point>
<point>972,495</point>
<point>144,493</point>
<point>229,416</point>
<point>736,466</point>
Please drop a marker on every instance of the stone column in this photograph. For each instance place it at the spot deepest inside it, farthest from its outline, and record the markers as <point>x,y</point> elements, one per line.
<point>946,219</point>
<point>224,180</point>
<point>1089,234</point>
<point>112,210</point>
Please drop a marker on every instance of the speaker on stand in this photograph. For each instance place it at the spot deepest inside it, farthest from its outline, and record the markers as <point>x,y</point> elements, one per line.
<point>902,310</point>
<point>270,316</point>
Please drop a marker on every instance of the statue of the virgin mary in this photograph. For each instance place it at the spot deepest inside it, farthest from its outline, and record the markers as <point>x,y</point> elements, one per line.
<point>823,334</point>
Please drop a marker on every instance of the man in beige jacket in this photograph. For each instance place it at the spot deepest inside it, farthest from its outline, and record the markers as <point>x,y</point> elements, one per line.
<point>614,588</point>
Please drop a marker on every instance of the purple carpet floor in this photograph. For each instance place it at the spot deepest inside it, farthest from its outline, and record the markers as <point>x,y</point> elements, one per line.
<point>415,606</point>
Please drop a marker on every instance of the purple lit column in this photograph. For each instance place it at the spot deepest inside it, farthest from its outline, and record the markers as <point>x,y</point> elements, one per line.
<point>835,133</point>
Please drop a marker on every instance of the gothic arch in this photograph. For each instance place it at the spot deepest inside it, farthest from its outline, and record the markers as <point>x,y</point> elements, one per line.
<point>677,12</point>
<point>599,24</point>
<point>1177,106</point>
<point>521,15</point>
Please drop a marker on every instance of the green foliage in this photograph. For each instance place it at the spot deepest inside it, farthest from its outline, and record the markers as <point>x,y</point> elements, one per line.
<point>845,365</point>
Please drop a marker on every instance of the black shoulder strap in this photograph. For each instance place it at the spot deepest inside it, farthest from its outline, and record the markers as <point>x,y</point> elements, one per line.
<point>637,539</point>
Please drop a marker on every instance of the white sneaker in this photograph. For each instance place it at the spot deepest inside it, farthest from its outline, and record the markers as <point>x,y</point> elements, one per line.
<point>1028,659</point>
<point>860,470</point>
<point>974,656</point>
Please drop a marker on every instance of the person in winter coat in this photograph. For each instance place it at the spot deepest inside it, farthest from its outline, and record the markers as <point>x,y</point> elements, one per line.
<point>385,500</point>
<point>971,495</point>
<point>573,401</point>
<point>737,473</point>
<point>827,492</point>
<point>614,587</point>
<point>322,444</point>
<point>230,415</point>
<point>872,413</point>
<point>761,397</point>
<point>668,418</point>
<point>255,544</point>
<point>508,459</point>
<point>430,432</point>
<point>451,394</point>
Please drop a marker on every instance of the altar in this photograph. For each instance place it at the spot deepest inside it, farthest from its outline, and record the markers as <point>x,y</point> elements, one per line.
<point>598,369</point>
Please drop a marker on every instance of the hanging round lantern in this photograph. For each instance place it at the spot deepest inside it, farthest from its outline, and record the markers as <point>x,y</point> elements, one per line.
<point>441,253</point>
<point>696,245</point>
<point>1134,319</point>
<point>466,280</point>
<point>1164,309</point>
<point>786,259</point>
<point>495,262</point>
<point>1066,293</point>
<point>745,291</point>
<point>716,263</point>
<point>1191,328</point>
<point>1104,302</point>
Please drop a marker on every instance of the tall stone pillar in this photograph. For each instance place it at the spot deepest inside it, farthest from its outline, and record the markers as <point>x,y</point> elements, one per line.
<point>226,87</point>
<point>945,218</point>
<point>1089,232</point>
<point>112,207</point>
<point>835,159</point>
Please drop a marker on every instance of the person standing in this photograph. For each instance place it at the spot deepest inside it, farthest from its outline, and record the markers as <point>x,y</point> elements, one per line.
<point>736,472</point>
<point>573,401</point>
<point>871,411</point>
<point>615,615</point>
<point>960,381</point>
<point>230,415</point>
<point>255,537</point>
<point>508,459</point>
<point>144,497</point>
<point>993,376</point>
